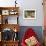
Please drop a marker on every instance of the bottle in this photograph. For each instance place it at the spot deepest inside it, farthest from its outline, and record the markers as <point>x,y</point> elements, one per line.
<point>6,21</point>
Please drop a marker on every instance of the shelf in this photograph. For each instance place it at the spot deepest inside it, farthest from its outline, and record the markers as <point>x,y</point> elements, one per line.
<point>11,41</point>
<point>10,26</point>
<point>6,24</point>
<point>9,19</point>
<point>9,10</point>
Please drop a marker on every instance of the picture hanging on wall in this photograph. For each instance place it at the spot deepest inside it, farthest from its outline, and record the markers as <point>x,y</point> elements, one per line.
<point>29,14</point>
<point>5,12</point>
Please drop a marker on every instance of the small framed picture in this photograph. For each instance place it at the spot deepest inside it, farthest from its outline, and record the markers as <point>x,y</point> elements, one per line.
<point>5,12</point>
<point>0,36</point>
<point>29,14</point>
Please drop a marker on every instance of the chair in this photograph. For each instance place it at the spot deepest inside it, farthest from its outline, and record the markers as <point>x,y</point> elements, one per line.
<point>29,33</point>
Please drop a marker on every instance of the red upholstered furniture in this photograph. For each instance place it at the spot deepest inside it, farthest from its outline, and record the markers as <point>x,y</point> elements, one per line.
<point>29,33</point>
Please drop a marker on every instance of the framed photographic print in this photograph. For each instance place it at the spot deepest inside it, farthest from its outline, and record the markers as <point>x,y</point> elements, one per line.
<point>5,12</point>
<point>29,14</point>
<point>0,36</point>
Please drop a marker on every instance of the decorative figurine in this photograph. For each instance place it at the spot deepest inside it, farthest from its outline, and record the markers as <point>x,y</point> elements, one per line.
<point>15,3</point>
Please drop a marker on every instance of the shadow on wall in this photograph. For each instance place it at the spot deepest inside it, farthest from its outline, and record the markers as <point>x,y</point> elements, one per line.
<point>37,29</point>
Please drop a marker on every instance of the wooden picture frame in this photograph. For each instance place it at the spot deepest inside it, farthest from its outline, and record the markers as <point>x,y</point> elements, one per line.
<point>0,36</point>
<point>29,14</point>
<point>5,12</point>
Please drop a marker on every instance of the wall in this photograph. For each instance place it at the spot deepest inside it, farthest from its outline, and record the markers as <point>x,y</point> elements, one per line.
<point>37,30</point>
<point>32,4</point>
<point>27,4</point>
